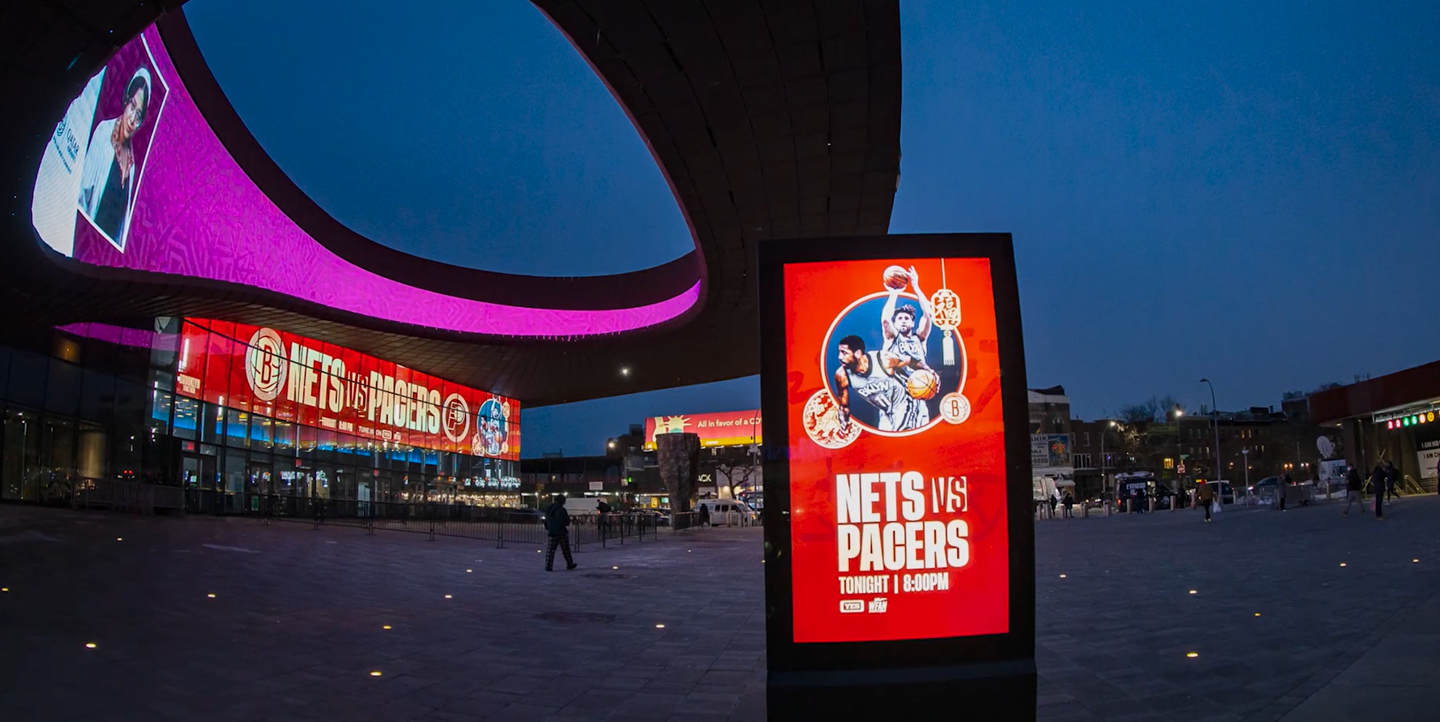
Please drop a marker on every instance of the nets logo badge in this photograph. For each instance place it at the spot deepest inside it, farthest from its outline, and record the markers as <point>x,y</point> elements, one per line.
<point>878,605</point>
<point>455,418</point>
<point>852,606</point>
<point>265,365</point>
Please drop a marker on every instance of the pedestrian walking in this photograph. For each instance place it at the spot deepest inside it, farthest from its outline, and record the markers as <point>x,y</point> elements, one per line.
<point>1353,485</point>
<point>1068,501</point>
<point>1283,486</point>
<point>557,526</point>
<point>704,515</point>
<point>1206,496</point>
<point>1377,487</point>
<point>1054,502</point>
<point>1392,477</point>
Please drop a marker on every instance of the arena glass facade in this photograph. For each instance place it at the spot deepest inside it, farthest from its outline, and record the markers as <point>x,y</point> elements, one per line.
<point>105,406</point>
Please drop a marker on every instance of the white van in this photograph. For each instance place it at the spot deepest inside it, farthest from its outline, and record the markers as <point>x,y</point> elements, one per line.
<point>728,512</point>
<point>582,505</point>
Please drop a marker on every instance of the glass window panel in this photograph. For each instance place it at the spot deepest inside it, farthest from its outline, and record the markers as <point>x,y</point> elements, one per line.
<point>260,433</point>
<point>19,472</point>
<point>237,428</point>
<point>97,396</point>
<point>91,451</point>
<point>27,379</point>
<point>187,418</point>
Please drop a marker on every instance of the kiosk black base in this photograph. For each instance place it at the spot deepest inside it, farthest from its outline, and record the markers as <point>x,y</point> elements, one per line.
<point>930,694</point>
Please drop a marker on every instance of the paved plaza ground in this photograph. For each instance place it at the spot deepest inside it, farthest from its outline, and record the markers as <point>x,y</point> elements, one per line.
<point>1299,616</point>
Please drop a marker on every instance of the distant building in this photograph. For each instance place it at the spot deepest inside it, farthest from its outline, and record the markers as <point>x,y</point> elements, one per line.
<point>1050,441</point>
<point>1393,418</point>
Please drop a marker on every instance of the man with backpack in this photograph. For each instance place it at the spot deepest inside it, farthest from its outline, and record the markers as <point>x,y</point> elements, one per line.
<point>557,527</point>
<point>1377,487</point>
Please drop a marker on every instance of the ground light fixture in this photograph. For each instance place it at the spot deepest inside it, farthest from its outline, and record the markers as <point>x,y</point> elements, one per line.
<point>119,538</point>
<point>624,370</point>
<point>1192,591</point>
<point>1062,576</point>
<point>447,596</point>
<point>1257,614</point>
<point>385,626</point>
<point>469,571</point>
<point>89,645</point>
<point>211,595</point>
<point>375,673</point>
<point>1342,564</point>
<point>1192,655</point>
<point>659,626</point>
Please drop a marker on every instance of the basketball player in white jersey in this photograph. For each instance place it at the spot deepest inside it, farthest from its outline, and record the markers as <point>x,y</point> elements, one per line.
<point>873,376</point>
<point>905,335</point>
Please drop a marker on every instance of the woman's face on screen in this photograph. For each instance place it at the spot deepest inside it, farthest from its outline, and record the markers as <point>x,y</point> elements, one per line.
<point>134,114</point>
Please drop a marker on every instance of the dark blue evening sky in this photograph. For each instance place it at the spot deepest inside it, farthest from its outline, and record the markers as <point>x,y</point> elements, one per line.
<point>1245,191</point>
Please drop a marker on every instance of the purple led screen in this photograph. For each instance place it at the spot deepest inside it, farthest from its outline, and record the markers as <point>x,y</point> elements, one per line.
<point>192,211</point>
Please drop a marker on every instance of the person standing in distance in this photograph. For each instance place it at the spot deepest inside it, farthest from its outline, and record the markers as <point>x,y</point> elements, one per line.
<point>1353,485</point>
<point>1205,493</point>
<point>557,526</point>
<point>1377,487</point>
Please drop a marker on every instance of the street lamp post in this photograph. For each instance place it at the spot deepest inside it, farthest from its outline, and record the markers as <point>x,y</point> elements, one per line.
<point>1215,422</point>
<point>1245,454</point>
<point>1105,481</point>
<point>1178,449</point>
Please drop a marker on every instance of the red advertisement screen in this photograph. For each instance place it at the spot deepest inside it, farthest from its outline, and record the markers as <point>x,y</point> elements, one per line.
<point>896,451</point>
<point>293,378</point>
<point>727,428</point>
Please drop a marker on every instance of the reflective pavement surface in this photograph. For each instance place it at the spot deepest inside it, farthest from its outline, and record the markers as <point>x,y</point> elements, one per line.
<point>301,621</point>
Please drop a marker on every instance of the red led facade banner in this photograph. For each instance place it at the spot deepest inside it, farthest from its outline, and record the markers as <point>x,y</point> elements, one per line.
<point>729,428</point>
<point>300,380</point>
<point>896,451</point>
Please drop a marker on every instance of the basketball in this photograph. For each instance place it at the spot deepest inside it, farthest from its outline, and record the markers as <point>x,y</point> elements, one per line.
<point>896,278</point>
<point>923,384</point>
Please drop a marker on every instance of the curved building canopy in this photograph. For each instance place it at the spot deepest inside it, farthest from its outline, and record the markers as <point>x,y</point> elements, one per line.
<point>767,119</point>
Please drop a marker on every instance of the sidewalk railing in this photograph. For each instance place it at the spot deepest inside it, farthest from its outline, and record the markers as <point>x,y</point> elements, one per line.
<point>502,525</point>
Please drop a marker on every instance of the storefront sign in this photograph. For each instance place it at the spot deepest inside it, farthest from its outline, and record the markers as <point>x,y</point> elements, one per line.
<point>732,428</point>
<point>292,378</point>
<point>1428,456</point>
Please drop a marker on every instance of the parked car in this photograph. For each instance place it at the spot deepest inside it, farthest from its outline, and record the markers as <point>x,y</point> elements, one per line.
<point>728,512</point>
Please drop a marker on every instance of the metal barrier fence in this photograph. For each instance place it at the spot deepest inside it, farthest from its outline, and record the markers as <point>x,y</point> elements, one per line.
<point>499,524</point>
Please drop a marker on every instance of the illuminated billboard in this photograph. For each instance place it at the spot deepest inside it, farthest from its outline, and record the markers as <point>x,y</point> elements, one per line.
<point>730,428</point>
<point>291,378</point>
<point>133,177</point>
<point>897,451</point>
<point>897,478</point>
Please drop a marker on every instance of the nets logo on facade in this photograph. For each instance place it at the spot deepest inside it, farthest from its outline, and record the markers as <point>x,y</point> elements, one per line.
<point>265,365</point>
